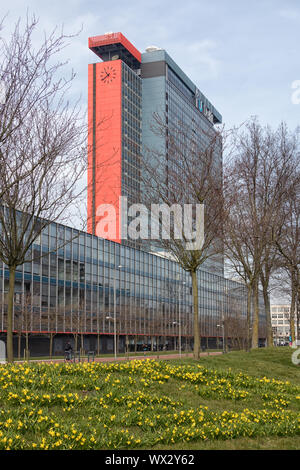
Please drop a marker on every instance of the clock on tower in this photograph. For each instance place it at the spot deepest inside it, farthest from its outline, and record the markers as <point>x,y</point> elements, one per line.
<point>108,74</point>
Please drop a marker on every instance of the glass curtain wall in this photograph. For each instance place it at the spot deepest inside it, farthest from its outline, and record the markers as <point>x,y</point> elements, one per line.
<point>71,284</point>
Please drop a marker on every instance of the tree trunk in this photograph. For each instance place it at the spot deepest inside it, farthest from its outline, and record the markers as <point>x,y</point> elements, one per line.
<point>270,342</point>
<point>19,345</point>
<point>135,343</point>
<point>249,298</point>
<point>51,345</point>
<point>196,315</point>
<point>225,335</point>
<point>26,346</point>
<point>298,316</point>
<point>10,313</point>
<point>255,315</point>
<point>98,344</point>
<point>292,309</point>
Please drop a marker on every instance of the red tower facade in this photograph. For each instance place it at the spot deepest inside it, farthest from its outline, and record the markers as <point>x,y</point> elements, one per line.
<point>112,85</point>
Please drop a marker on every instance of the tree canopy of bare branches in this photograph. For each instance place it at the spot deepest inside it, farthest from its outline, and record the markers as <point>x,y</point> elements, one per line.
<point>42,146</point>
<point>189,171</point>
<point>258,181</point>
<point>287,242</point>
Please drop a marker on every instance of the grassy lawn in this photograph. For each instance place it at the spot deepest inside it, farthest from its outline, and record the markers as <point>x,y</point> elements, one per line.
<point>234,401</point>
<point>271,362</point>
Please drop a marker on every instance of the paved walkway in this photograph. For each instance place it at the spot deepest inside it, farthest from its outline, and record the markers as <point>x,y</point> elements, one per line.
<point>130,358</point>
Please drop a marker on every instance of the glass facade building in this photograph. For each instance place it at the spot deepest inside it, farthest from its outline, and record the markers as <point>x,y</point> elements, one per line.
<point>76,281</point>
<point>131,140</point>
<point>131,134</point>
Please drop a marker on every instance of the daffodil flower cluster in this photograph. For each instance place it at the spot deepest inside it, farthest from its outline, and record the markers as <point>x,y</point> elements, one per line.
<point>138,404</point>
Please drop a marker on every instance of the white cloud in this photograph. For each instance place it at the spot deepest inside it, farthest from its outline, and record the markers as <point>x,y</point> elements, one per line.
<point>290,13</point>
<point>199,59</point>
<point>202,55</point>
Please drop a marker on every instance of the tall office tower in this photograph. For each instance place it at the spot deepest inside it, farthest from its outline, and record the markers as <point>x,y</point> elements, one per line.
<point>115,134</point>
<point>171,95</point>
<point>167,91</point>
<point>125,90</point>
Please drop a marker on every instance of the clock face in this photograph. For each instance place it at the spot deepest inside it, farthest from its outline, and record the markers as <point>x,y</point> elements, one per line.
<point>108,74</point>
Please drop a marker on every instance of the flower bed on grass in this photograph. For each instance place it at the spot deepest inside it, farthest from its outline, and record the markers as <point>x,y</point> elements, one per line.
<point>138,404</point>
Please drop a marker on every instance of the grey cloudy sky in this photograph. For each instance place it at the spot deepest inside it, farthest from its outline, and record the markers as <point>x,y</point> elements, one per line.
<point>244,56</point>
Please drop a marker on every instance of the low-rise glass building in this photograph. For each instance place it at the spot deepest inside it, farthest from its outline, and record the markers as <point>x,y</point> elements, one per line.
<point>77,284</point>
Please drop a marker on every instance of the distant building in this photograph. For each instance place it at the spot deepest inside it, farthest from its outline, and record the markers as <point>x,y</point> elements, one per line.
<point>280,319</point>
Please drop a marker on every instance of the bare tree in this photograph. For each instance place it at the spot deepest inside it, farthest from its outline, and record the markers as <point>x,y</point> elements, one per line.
<point>53,312</point>
<point>23,321</point>
<point>281,176</point>
<point>257,181</point>
<point>190,173</point>
<point>236,323</point>
<point>17,98</point>
<point>288,244</point>
<point>42,148</point>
